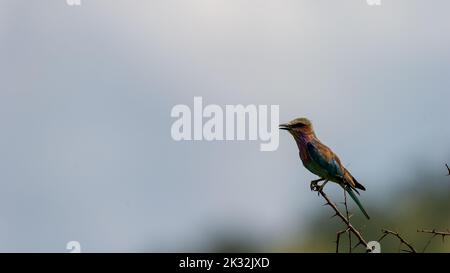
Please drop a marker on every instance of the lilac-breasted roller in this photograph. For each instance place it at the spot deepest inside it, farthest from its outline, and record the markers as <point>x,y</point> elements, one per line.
<point>321,161</point>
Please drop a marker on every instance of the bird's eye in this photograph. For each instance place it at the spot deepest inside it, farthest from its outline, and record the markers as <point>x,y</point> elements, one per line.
<point>298,125</point>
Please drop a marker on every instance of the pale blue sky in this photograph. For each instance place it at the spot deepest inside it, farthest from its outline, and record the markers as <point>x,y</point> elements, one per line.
<point>86,94</point>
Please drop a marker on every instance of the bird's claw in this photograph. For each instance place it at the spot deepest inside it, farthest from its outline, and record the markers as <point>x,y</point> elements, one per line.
<point>316,187</point>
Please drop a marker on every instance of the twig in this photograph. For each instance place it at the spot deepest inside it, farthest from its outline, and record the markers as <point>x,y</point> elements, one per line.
<point>350,227</point>
<point>434,234</point>
<point>448,168</point>
<point>387,232</point>
<point>348,219</point>
<point>338,237</point>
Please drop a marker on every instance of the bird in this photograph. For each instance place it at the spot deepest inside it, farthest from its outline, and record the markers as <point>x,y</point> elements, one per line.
<point>321,160</point>
<point>448,169</point>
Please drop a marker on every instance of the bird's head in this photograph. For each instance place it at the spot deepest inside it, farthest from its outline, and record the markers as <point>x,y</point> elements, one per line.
<point>298,127</point>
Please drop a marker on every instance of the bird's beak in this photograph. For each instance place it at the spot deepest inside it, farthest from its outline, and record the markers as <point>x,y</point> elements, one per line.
<point>285,127</point>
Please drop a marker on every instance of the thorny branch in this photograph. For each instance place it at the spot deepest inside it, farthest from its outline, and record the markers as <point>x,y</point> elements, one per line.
<point>348,218</point>
<point>350,227</point>
<point>387,232</point>
<point>338,237</point>
<point>434,234</point>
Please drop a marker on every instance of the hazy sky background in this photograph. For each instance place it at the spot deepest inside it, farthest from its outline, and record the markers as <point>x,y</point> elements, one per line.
<point>86,94</point>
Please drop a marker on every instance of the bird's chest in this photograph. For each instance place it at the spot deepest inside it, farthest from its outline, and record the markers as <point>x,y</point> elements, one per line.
<point>309,164</point>
<point>303,151</point>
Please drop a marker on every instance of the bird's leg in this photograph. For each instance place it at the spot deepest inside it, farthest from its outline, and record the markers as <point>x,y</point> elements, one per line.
<point>318,188</point>
<point>314,183</point>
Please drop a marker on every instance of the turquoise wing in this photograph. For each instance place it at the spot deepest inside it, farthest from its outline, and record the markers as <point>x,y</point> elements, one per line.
<point>326,161</point>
